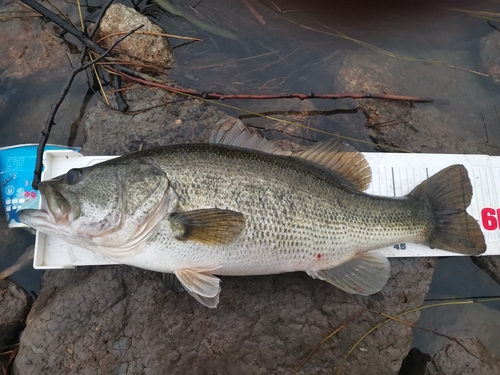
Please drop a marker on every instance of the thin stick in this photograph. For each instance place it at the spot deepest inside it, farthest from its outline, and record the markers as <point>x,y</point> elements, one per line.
<point>111,48</point>
<point>232,61</point>
<point>254,12</point>
<point>84,38</point>
<point>311,95</point>
<point>152,34</point>
<point>177,91</point>
<point>409,312</point>
<point>99,19</point>
<point>119,96</point>
<point>52,114</point>
<point>50,121</point>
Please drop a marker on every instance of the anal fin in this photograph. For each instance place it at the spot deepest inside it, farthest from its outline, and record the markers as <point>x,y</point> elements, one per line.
<point>201,284</point>
<point>364,274</point>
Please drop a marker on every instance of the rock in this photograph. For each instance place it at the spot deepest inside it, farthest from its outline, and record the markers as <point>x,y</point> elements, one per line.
<point>490,265</point>
<point>464,322</point>
<point>14,257</point>
<point>140,48</point>
<point>120,319</point>
<point>433,128</point>
<point>14,307</point>
<point>29,44</point>
<point>490,54</point>
<point>449,360</point>
<point>171,119</point>
<point>473,325</point>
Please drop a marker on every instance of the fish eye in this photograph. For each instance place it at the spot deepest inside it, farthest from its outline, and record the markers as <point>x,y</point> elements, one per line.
<point>73,175</point>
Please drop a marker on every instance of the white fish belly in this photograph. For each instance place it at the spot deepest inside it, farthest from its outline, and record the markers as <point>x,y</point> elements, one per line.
<point>278,249</point>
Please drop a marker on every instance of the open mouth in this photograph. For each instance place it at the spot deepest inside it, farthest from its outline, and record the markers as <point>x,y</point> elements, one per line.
<point>36,218</point>
<point>56,212</point>
<point>58,207</point>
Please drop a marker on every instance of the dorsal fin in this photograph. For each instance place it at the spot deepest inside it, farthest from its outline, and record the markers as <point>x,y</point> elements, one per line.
<point>332,154</point>
<point>342,158</point>
<point>239,135</point>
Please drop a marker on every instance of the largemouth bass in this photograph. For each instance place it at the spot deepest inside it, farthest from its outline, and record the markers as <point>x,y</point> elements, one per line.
<point>200,210</point>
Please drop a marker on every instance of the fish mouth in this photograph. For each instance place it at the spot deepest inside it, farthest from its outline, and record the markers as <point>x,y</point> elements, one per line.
<point>57,213</point>
<point>30,216</point>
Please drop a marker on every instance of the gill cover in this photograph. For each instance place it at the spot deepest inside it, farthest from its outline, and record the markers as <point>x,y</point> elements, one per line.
<point>145,199</point>
<point>111,207</point>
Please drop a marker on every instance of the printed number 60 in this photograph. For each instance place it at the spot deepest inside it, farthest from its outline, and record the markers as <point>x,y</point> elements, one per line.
<point>489,217</point>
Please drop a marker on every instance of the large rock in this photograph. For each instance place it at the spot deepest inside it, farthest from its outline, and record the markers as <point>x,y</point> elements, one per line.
<point>449,359</point>
<point>490,54</point>
<point>14,307</point>
<point>170,119</point>
<point>457,127</point>
<point>474,326</point>
<point>466,341</point>
<point>145,47</point>
<point>121,320</point>
<point>28,44</point>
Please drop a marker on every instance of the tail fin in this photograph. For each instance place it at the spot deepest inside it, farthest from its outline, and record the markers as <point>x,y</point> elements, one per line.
<point>449,193</point>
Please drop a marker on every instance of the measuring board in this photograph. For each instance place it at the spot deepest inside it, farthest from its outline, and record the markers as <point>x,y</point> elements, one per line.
<point>393,175</point>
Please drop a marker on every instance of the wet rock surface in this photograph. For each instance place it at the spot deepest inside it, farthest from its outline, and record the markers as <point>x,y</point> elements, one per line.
<point>490,54</point>
<point>155,118</point>
<point>449,359</point>
<point>29,44</point>
<point>490,265</point>
<point>460,336</point>
<point>14,307</point>
<point>445,126</point>
<point>470,342</point>
<point>120,319</point>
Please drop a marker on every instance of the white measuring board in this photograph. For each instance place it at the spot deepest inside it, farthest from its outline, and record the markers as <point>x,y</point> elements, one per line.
<point>392,175</point>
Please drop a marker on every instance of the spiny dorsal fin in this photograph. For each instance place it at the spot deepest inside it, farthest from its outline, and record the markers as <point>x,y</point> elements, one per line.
<point>332,154</point>
<point>212,226</point>
<point>238,135</point>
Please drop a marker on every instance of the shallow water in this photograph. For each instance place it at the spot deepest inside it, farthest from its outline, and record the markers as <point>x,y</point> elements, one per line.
<point>296,50</point>
<point>285,46</point>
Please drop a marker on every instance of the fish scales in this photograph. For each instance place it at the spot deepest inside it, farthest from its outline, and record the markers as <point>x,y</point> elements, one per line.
<point>295,212</point>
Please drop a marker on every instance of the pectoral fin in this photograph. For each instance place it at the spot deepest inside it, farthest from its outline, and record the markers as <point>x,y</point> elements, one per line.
<point>201,284</point>
<point>211,226</point>
<point>364,274</point>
